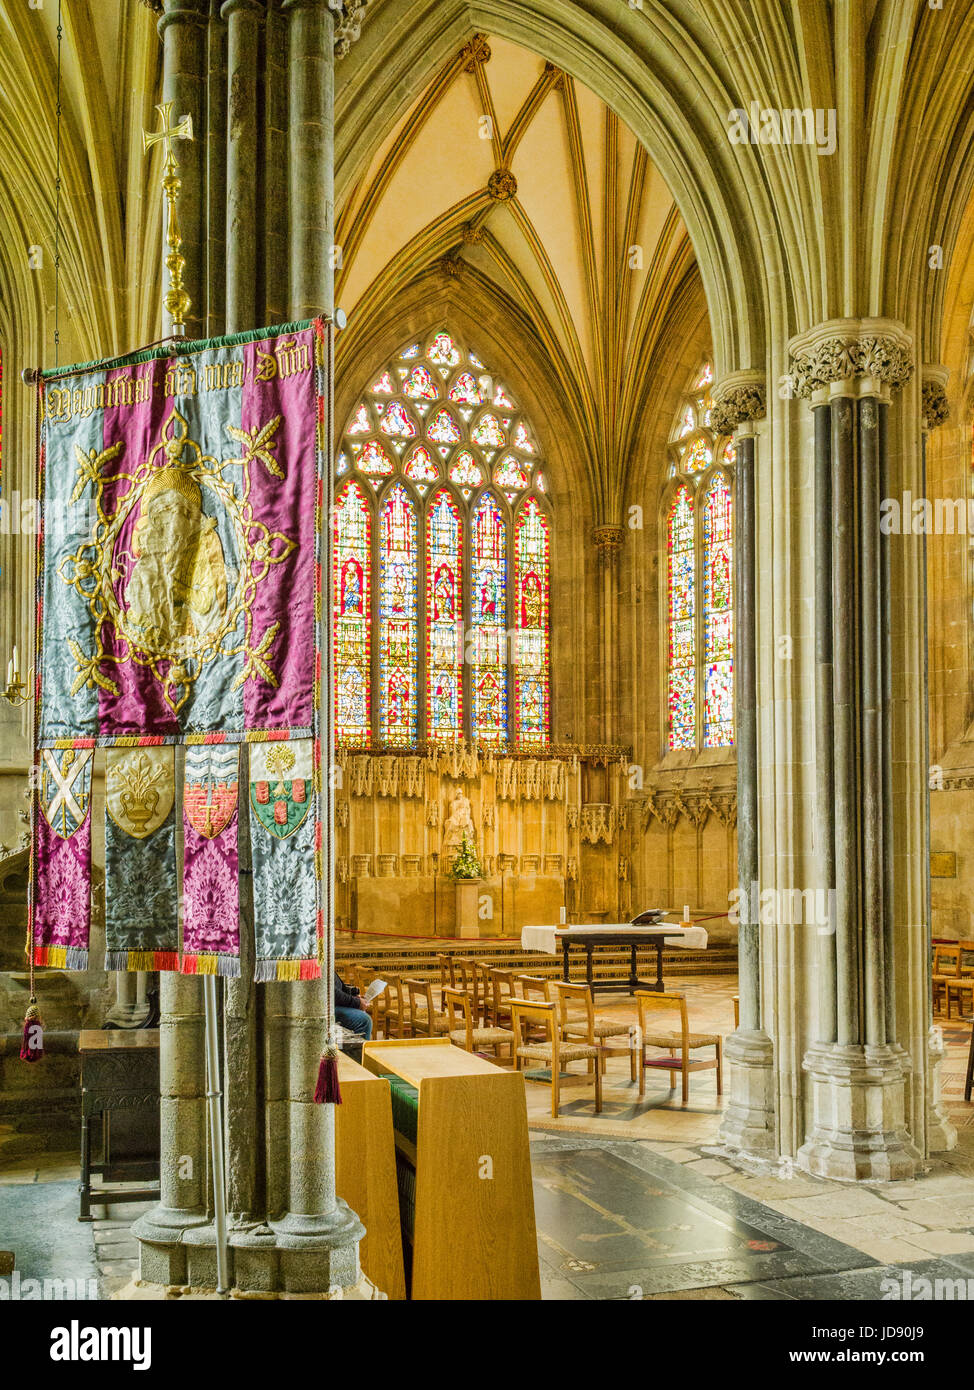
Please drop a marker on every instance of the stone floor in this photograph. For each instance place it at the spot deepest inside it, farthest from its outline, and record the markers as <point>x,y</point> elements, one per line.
<point>634,1203</point>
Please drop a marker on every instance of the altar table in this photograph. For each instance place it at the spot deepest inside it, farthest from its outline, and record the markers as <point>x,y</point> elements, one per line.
<point>589,936</point>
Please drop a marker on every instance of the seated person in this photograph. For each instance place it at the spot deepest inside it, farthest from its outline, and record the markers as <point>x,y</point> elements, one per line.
<point>350,1010</point>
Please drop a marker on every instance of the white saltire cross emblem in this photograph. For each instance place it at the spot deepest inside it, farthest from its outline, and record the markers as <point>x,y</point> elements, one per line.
<point>64,804</point>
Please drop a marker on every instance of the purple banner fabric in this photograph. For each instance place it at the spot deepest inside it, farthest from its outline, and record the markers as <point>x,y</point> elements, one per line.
<point>178,592</point>
<point>62,890</point>
<point>211,904</point>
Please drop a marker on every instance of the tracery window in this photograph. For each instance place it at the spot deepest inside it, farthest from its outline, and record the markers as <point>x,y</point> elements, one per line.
<point>699,546</point>
<point>442,563</point>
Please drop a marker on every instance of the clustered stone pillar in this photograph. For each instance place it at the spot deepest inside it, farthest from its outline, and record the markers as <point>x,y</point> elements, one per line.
<point>748,1126</point>
<point>857,1071</point>
<point>318,1236</point>
<point>183,1165</point>
<point>288,1230</point>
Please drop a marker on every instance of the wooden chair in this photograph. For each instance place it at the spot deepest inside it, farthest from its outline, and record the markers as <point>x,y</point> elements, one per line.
<point>969,1078</point>
<point>946,971</point>
<point>684,1042</point>
<point>498,1012</point>
<point>425,1020</point>
<point>964,983</point>
<point>552,1052</point>
<point>468,980</point>
<point>463,1032</point>
<point>396,1013</point>
<point>447,974</point>
<point>582,1022</point>
<point>531,987</point>
<point>737,1011</point>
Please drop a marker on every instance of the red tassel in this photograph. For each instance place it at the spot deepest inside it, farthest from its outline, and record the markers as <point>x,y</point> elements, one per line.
<point>328,1091</point>
<point>32,1044</point>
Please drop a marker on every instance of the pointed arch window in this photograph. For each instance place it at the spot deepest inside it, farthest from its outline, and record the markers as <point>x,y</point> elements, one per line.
<point>353,614</point>
<point>698,537</point>
<point>442,576</point>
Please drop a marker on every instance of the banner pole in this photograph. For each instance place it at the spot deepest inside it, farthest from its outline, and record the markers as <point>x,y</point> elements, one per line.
<point>214,1098</point>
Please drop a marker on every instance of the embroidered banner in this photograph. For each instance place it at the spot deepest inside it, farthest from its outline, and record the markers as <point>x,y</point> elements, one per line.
<point>179,578</point>
<point>211,902</point>
<point>178,559</point>
<point>141,902</point>
<point>62,873</point>
<point>282,843</point>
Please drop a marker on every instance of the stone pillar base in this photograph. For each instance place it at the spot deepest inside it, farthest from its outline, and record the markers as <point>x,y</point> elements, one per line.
<point>316,1256</point>
<point>747,1129</point>
<point>162,1255</point>
<point>858,1098</point>
<point>941,1134</point>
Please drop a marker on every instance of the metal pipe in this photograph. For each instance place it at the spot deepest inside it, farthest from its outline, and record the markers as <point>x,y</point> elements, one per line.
<point>213,1104</point>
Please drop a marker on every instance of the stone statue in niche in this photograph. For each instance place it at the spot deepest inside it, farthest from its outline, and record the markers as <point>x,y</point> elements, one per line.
<point>458,823</point>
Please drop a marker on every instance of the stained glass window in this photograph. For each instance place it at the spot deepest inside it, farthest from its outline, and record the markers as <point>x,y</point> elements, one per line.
<point>466,471</point>
<point>488,621</point>
<point>420,386</point>
<point>353,614</point>
<point>398,666</point>
<point>421,467</point>
<point>433,634</point>
<point>699,539</point>
<point>375,461</point>
<point>488,432</point>
<point>443,429</point>
<point>681,588</point>
<point>465,390</point>
<point>511,473</point>
<point>718,616</point>
<point>396,421</point>
<point>444,619</point>
<point>531,581</point>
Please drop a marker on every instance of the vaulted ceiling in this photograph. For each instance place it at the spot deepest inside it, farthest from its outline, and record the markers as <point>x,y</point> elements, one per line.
<point>509,167</point>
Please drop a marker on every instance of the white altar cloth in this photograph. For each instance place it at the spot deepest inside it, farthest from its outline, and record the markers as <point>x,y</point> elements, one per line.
<point>549,939</point>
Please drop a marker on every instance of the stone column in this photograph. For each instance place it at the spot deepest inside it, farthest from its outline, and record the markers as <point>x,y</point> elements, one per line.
<point>318,1236</point>
<point>608,541</point>
<point>216,172</point>
<point>857,1073</point>
<point>748,1125</point>
<point>182,1082</point>
<point>934,412</point>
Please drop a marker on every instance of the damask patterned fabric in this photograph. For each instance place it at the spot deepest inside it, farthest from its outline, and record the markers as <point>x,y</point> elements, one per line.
<point>62,902</point>
<point>282,845</point>
<point>179,573</point>
<point>141,902</point>
<point>211,901</point>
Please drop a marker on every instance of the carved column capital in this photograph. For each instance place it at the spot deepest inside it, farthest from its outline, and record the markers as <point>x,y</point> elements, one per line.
<point>608,541</point>
<point>739,399</point>
<point>934,406</point>
<point>851,357</point>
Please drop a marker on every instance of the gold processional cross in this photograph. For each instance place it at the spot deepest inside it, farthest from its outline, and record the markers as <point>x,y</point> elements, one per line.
<point>177,301</point>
